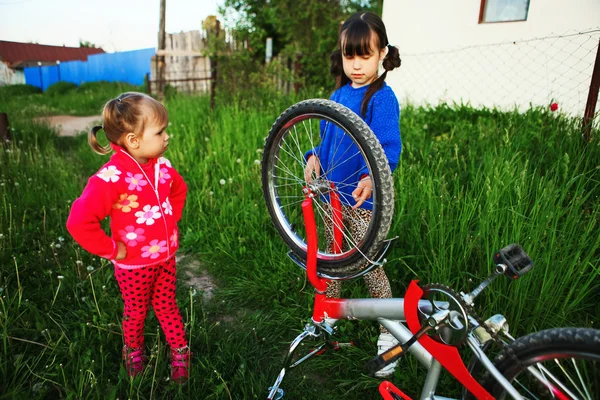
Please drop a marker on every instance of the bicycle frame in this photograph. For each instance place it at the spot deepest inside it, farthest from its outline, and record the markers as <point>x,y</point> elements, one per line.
<point>388,312</point>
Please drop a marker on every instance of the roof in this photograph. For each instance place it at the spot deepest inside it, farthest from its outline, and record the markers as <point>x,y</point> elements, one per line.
<point>17,54</point>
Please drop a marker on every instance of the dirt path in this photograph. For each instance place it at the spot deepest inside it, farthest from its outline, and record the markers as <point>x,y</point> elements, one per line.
<point>70,126</point>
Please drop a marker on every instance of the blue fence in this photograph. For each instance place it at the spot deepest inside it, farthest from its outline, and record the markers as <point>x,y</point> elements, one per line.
<point>126,66</point>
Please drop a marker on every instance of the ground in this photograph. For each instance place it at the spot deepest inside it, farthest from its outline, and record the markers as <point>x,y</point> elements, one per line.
<point>68,125</point>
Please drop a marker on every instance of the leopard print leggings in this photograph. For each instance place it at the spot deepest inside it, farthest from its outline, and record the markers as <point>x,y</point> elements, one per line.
<point>356,222</point>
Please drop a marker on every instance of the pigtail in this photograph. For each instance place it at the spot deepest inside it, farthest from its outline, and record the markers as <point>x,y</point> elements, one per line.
<point>337,69</point>
<point>93,141</point>
<point>391,61</point>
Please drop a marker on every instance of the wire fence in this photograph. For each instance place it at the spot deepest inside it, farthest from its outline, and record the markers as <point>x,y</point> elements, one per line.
<point>535,72</point>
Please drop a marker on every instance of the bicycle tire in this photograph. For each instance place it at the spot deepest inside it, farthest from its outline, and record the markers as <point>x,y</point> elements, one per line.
<point>281,197</point>
<point>558,344</point>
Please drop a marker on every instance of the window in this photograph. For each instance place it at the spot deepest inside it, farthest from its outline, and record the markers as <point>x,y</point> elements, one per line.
<point>503,11</point>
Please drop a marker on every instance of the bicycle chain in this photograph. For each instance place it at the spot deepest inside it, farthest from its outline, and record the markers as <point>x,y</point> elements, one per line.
<point>470,311</point>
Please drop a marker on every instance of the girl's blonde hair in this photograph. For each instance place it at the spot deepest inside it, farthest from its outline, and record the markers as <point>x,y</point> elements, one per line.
<point>127,113</point>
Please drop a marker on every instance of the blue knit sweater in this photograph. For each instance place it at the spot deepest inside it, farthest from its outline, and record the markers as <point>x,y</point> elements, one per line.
<point>337,153</point>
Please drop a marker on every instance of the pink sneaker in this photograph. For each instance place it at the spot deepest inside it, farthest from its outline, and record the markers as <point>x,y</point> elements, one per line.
<point>135,360</point>
<point>180,364</point>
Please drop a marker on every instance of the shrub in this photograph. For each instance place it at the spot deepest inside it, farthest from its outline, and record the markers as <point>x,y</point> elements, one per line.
<point>100,86</point>
<point>19,90</point>
<point>60,88</point>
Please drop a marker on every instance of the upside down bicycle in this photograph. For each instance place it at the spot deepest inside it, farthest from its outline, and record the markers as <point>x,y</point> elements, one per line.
<point>432,321</point>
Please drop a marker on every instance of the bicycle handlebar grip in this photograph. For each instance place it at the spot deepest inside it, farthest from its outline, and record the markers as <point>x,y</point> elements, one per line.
<point>516,260</point>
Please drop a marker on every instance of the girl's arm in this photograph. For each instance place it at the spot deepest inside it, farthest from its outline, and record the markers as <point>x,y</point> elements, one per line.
<point>94,204</point>
<point>384,121</point>
<point>385,124</point>
<point>178,194</point>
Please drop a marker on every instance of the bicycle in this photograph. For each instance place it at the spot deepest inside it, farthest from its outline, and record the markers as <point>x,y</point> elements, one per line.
<point>432,321</point>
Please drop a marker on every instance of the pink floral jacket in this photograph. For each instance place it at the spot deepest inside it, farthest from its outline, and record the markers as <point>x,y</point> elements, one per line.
<point>144,203</point>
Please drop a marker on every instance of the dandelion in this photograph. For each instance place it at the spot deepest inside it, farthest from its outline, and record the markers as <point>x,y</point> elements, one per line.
<point>230,180</point>
<point>211,193</point>
<point>16,183</point>
<point>425,126</point>
<point>1,235</point>
<point>205,139</point>
<point>90,268</point>
<point>79,263</point>
<point>222,181</point>
<point>30,179</point>
<point>259,150</point>
<point>256,162</point>
<point>239,160</point>
<point>60,277</point>
<point>214,153</point>
<point>57,245</point>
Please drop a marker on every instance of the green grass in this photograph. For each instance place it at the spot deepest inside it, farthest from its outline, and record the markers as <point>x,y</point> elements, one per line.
<point>470,181</point>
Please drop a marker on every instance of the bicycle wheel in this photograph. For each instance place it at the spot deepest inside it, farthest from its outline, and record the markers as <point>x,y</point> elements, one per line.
<point>567,358</point>
<point>342,142</point>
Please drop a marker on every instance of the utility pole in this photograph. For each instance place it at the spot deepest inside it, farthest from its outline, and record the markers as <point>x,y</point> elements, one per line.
<point>160,73</point>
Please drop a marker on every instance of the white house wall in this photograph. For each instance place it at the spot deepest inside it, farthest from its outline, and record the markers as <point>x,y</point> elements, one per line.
<point>448,56</point>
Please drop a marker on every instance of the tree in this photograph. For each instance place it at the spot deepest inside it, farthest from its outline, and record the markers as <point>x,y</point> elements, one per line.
<point>86,44</point>
<point>305,27</point>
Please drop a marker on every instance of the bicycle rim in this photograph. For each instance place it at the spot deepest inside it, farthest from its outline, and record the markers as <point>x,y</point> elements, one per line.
<point>559,363</point>
<point>341,141</point>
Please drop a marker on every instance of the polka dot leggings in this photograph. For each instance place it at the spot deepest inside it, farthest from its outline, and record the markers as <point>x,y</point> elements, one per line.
<point>154,284</point>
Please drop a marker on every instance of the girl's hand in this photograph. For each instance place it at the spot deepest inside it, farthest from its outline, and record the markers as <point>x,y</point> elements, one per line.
<point>313,165</point>
<point>363,191</point>
<point>122,251</point>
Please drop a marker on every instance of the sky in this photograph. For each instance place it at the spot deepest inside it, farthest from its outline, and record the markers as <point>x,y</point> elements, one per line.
<point>114,25</point>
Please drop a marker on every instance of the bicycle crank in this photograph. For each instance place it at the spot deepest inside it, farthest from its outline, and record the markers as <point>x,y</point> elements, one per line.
<point>455,327</point>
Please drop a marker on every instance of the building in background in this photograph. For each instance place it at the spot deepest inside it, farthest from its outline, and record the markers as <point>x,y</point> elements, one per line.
<point>16,56</point>
<point>494,53</point>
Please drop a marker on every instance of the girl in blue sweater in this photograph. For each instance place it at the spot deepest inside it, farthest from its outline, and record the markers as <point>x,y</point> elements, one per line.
<point>363,49</point>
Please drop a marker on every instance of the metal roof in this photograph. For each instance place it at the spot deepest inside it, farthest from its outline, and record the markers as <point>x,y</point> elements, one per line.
<point>17,54</point>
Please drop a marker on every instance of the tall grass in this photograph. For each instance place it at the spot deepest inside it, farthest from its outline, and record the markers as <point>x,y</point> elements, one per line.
<point>470,181</point>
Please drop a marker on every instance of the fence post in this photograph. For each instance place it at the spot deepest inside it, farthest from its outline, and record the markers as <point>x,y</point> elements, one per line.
<point>41,79</point>
<point>297,72</point>
<point>214,69</point>
<point>590,108</point>
<point>4,130</point>
<point>161,48</point>
<point>148,84</point>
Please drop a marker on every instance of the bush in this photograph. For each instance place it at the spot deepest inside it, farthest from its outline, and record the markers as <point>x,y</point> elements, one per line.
<point>60,88</point>
<point>19,90</point>
<point>100,86</point>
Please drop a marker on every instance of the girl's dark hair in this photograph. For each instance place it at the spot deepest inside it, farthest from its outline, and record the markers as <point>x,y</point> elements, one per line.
<point>127,113</point>
<point>355,40</point>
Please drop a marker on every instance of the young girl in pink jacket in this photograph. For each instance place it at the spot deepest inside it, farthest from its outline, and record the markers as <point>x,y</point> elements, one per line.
<point>144,197</point>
